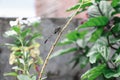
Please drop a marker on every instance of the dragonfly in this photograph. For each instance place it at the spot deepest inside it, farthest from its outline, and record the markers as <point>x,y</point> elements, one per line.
<point>57,30</point>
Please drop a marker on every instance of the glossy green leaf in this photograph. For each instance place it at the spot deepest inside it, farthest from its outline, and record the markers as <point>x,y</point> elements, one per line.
<point>93,73</point>
<point>63,51</point>
<point>97,21</point>
<point>11,74</point>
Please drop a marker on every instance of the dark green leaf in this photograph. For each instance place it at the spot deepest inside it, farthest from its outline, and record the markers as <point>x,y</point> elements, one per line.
<point>93,73</point>
<point>97,21</point>
<point>116,28</point>
<point>109,73</point>
<point>115,2</point>
<point>63,51</point>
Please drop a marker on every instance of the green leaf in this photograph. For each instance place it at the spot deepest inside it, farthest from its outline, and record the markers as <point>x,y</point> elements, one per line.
<point>16,29</point>
<point>78,5</point>
<point>18,54</point>
<point>34,36</point>
<point>63,51</point>
<point>96,35</point>
<point>25,33</point>
<point>23,77</point>
<point>93,73</point>
<point>117,59</point>
<point>73,35</point>
<point>10,74</point>
<point>97,21</point>
<point>100,47</point>
<point>83,41</point>
<point>93,58</point>
<point>115,3</point>
<point>116,28</point>
<point>109,73</point>
<point>105,9</point>
<point>64,42</point>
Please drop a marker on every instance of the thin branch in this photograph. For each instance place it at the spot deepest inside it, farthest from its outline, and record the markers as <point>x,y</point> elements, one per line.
<point>54,44</point>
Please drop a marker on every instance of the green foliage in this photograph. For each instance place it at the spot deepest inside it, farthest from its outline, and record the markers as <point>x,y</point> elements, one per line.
<point>93,73</point>
<point>103,8</point>
<point>83,6</point>
<point>24,50</point>
<point>96,40</point>
<point>97,21</point>
<point>115,2</point>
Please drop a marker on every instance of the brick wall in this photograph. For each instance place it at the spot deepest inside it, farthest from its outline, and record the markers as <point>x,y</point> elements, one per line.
<point>55,8</point>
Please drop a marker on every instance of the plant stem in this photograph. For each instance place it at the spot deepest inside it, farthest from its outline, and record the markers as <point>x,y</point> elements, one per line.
<point>54,44</point>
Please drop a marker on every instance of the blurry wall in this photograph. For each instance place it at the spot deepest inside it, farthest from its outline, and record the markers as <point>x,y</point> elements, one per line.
<point>55,8</point>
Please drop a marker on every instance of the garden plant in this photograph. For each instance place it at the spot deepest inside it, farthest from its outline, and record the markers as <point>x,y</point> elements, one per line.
<point>96,40</point>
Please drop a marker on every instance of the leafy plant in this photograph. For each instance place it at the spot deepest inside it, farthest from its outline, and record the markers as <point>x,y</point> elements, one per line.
<point>96,41</point>
<point>25,54</point>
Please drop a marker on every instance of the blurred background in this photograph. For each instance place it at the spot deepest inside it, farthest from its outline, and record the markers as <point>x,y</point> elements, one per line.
<point>32,8</point>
